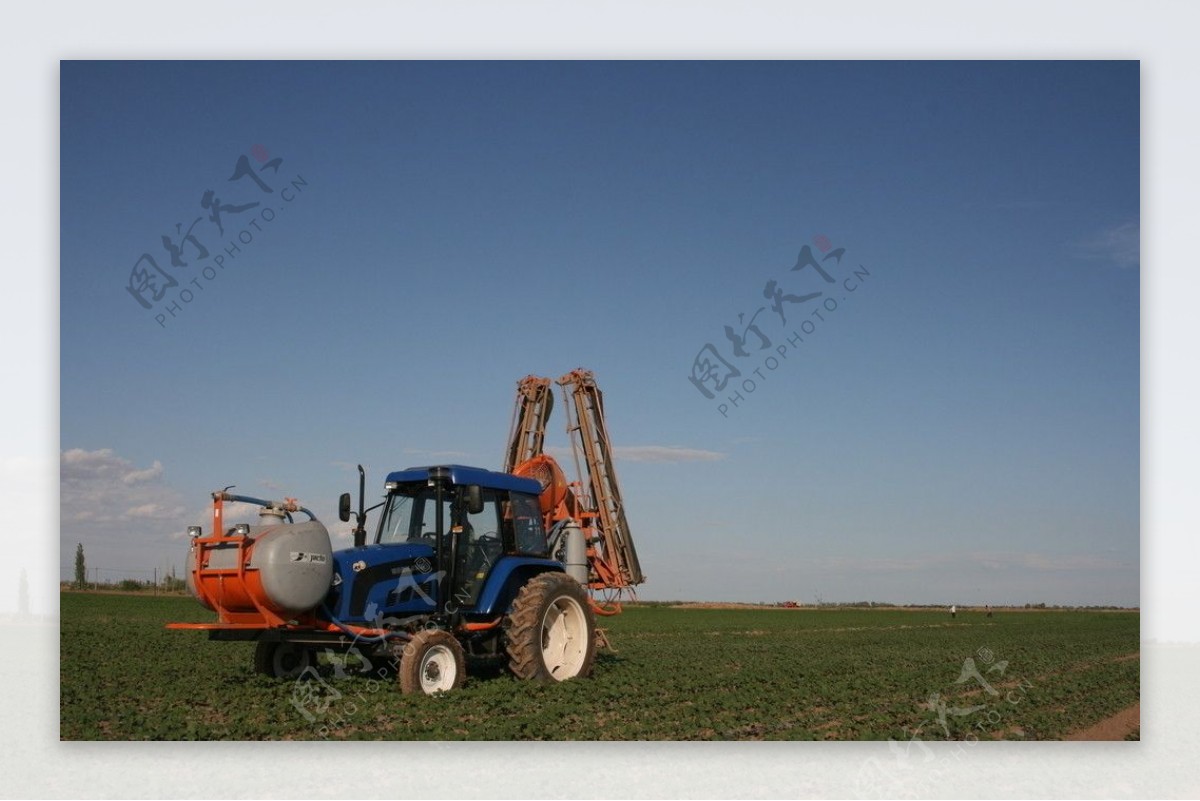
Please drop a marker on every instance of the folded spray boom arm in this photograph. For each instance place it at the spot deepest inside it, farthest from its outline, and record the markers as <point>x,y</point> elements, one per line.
<point>594,502</point>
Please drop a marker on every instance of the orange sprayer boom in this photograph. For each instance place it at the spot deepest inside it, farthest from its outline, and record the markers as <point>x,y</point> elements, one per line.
<point>604,493</point>
<point>527,435</point>
<point>595,505</point>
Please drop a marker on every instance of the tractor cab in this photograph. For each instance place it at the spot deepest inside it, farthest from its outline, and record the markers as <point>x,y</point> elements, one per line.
<point>443,532</point>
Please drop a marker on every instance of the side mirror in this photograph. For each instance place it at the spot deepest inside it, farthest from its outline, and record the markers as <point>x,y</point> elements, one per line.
<point>344,507</point>
<point>474,499</point>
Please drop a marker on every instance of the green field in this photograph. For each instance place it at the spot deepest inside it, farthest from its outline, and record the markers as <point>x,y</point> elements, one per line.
<point>673,674</point>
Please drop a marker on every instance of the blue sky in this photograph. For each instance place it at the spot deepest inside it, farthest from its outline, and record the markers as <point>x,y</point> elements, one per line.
<point>963,428</point>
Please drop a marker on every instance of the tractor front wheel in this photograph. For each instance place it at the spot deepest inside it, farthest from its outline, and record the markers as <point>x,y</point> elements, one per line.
<point>551,631</point>
<point>282,660</point>
<point>432,662</point>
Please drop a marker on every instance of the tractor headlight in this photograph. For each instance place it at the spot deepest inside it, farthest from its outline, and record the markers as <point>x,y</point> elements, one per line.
<point>391,486</point>
<point>243,529</point>
<point>194,531</point>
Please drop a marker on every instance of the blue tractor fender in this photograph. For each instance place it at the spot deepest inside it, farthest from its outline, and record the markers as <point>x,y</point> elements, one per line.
<point>507,578</point>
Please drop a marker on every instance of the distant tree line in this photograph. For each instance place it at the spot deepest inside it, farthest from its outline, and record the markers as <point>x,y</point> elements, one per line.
<point>168,583</point>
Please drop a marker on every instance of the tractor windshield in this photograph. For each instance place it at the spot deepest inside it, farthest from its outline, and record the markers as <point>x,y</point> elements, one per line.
<point>410,515</point>
<point>523,525</point>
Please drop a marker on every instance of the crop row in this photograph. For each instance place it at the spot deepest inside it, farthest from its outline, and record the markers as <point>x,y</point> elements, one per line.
<point>673,674</point>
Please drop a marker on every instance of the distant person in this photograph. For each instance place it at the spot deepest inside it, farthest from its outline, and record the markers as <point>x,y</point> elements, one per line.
<point>989,609</point>
<point>953,611</point>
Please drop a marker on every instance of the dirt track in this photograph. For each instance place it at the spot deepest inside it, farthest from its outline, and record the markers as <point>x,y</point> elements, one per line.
<point>1115,727</point>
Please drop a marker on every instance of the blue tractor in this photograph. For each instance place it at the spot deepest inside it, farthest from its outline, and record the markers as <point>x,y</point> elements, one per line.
<point>463,554</point>
<point>464,563</point>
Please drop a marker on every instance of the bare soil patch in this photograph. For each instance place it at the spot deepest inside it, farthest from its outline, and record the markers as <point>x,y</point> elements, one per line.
<point>1114,727</point>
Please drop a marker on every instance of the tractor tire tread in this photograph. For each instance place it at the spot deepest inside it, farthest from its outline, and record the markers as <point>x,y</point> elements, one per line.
<point>523,631</point>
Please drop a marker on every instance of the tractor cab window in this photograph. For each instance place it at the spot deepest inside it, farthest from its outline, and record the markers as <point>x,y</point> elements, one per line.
<point>479,548</point>
<point>486,524</point>
<point>523,532</point>
<point>410,515</point>
<point>509,522</point>
<point>394,522</point>
<point>424,528</point>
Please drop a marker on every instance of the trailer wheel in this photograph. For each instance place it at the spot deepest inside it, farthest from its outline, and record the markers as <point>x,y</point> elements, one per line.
<point>432,662</point>
<point>282,660</point>
<point>551,630</point>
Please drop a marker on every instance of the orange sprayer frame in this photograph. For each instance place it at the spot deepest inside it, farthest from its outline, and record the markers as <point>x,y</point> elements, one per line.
<point>596,505</point>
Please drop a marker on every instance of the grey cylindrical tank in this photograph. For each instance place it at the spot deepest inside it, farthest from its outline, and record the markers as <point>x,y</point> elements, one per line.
<point>576,558</point>
<point>295,562</point>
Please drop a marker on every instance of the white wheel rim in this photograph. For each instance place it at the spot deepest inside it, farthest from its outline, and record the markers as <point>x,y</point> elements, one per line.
<point>564,638</point>
<point>437,670</point>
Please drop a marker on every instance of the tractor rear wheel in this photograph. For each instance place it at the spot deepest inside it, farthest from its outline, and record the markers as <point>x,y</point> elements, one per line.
<point>432,662</point>
<point>551,630</point>
<point>282,660</point>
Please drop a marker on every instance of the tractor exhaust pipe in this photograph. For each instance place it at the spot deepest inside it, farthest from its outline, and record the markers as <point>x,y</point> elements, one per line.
<point>360,531</point>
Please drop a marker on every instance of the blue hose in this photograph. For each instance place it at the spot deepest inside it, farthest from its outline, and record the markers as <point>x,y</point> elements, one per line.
<point>261,502</point>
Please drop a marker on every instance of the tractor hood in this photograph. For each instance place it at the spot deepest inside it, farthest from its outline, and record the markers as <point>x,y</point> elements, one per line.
<point>399,577</point>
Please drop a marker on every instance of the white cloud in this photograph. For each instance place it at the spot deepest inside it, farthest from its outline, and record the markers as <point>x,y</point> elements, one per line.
<point>80,464</point>
<point>231,510</point>
<point>101,487</point>
<point>988,560</point>
<point>154,511</point>
<point>1120,244</point>
<point>1070,561</point>
<point>664,453</point>
<point>125,515</point>
<point>149,474</point>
